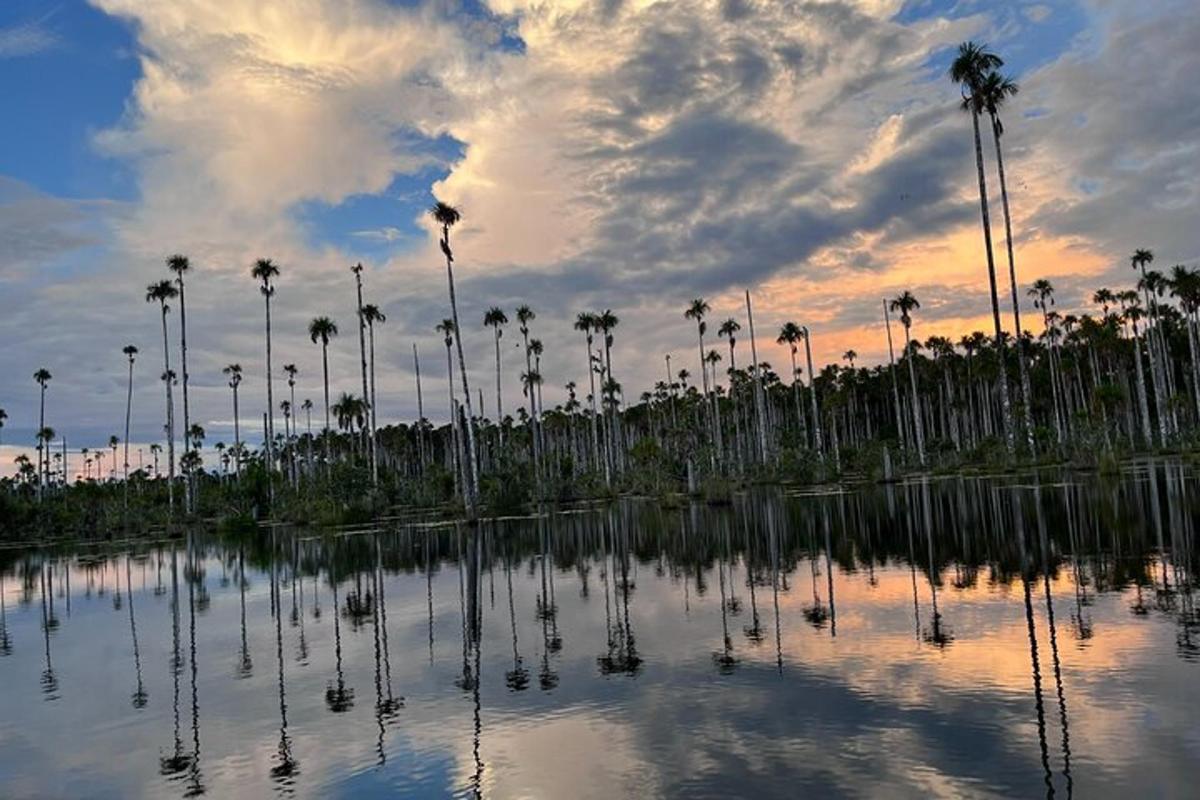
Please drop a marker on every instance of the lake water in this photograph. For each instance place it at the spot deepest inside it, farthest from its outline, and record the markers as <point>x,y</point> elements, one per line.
<point>961,637</point>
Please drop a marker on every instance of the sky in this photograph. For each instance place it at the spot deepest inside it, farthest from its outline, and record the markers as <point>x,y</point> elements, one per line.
<point>619,154</point>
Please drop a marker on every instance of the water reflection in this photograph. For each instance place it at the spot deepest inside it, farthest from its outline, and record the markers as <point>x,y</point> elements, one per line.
<point>693,651</point>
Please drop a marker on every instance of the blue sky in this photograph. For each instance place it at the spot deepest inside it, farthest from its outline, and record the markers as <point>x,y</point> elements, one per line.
<point>624,155</point>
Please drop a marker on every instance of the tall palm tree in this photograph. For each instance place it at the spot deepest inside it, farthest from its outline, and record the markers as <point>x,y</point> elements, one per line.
<point>1042,293</point>
<point>446,328</point>
<point>362,352</point>
<point>585,321</point>
<point>42,378</point>
<point>729,329</point>
<point>234,371</point>
<point>969,70</point>
<point>322,329</point>
<point>179,264</point>
<point>496,318</point>
<point>606,323</point>
<point>447,216</point>
<point>525,315</point>
<point>160,293</point>
<point>373,317</point>
<point>906,303</point>
<point>790,334</point>
<point>265,270</point>
<point>696,310</point>
<point>995,90</point>
<point>812,391</point>
<point>291,370</point>
<point>130,353</point>
<point>1139,260</point>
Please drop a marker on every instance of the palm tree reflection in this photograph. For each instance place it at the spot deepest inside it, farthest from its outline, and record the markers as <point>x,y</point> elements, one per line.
<point>286,767</point>
<point>139,697</point>
<point>338,696</point>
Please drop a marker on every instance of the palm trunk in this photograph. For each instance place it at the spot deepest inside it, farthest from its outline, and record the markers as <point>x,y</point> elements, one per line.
<point>499,401</point>
<point>812,396</point>
<point>597,456</point>
<point>759,403</point>
<point>128,417</point>
<point>237,435</point>
<point>372,412</point>
<point>420,409</point>
<point>1006,406</point>
<point>473,480</point>
<point>270,443</point>
<point>1143,404</point>
<point>170,414</point>
<point>369,435</point>
<point>900,426</point>
<point>918,428</point>
<point>187,418</point>
<point>1012,275</point>
<point>327,432</point>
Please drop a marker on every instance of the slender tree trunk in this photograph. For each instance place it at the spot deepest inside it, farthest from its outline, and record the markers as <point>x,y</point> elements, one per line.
<point>237,435</point>
<point>472,492</point>
<point>420,409</point>
<point>499,399</point>
<point>597,456</point>
<point>916,403</point>
<point>170,414</point>
<point>812,395</point>
<point>1022,356</point>
<point>373,412</point>
<point>128,418</point>
<point>1006,406</point>
<point>327,432</point>
<point>759,404</point>
<point>900,426</point>
<point>1143,404</point>
<point>187,418</point>
<point>269,445</point>
<point>369,431</point>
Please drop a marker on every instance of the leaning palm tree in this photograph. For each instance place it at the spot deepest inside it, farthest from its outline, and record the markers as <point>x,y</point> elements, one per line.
<point>496,319</point>
<point>234,371</point>
<point>265,270</point>
<point>322,329</point>
<point>995,91</point>
<point>447,216</point>
<point>160,293</point>
<point>970,68</point>
<point>373,316</point>
<point>906,303</point>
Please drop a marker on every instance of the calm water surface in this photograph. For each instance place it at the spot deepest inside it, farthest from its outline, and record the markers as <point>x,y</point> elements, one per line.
<point>958,637</point>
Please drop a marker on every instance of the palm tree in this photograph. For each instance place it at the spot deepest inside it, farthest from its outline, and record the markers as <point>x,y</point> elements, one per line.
<point>291,371</point>
<point>130,353</point>
<point>179,264</point>
<point>496,318</point>
<point>448,216</point>
<point>113,442</point>
<point>265,270</point>
<point>307,406</point>
<point>1042,293</point>
<point>362,351</point>
<point>373,316</point>
<point>525,315</point>
<point>790,334</point>
<point>905,303</point>
<point>585,321</point>
<point>729,329</point>
<point>696,310</point>
<point>160,293</point>
<point>1140,258</point>
<point>3,417</point>
<point>322,329</point>
<point>42,377</point>
<point>995,91</point>
<point>446,328</point>
<point>969,70</point>
<point>234,371</point>
<point>606,323</point>
<point>812,391</point>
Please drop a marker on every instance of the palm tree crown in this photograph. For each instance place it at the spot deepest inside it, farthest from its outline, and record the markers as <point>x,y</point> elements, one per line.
<point>322,329</point>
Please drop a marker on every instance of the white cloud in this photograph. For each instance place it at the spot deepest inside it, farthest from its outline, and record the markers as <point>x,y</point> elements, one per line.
<point>25,39</point>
